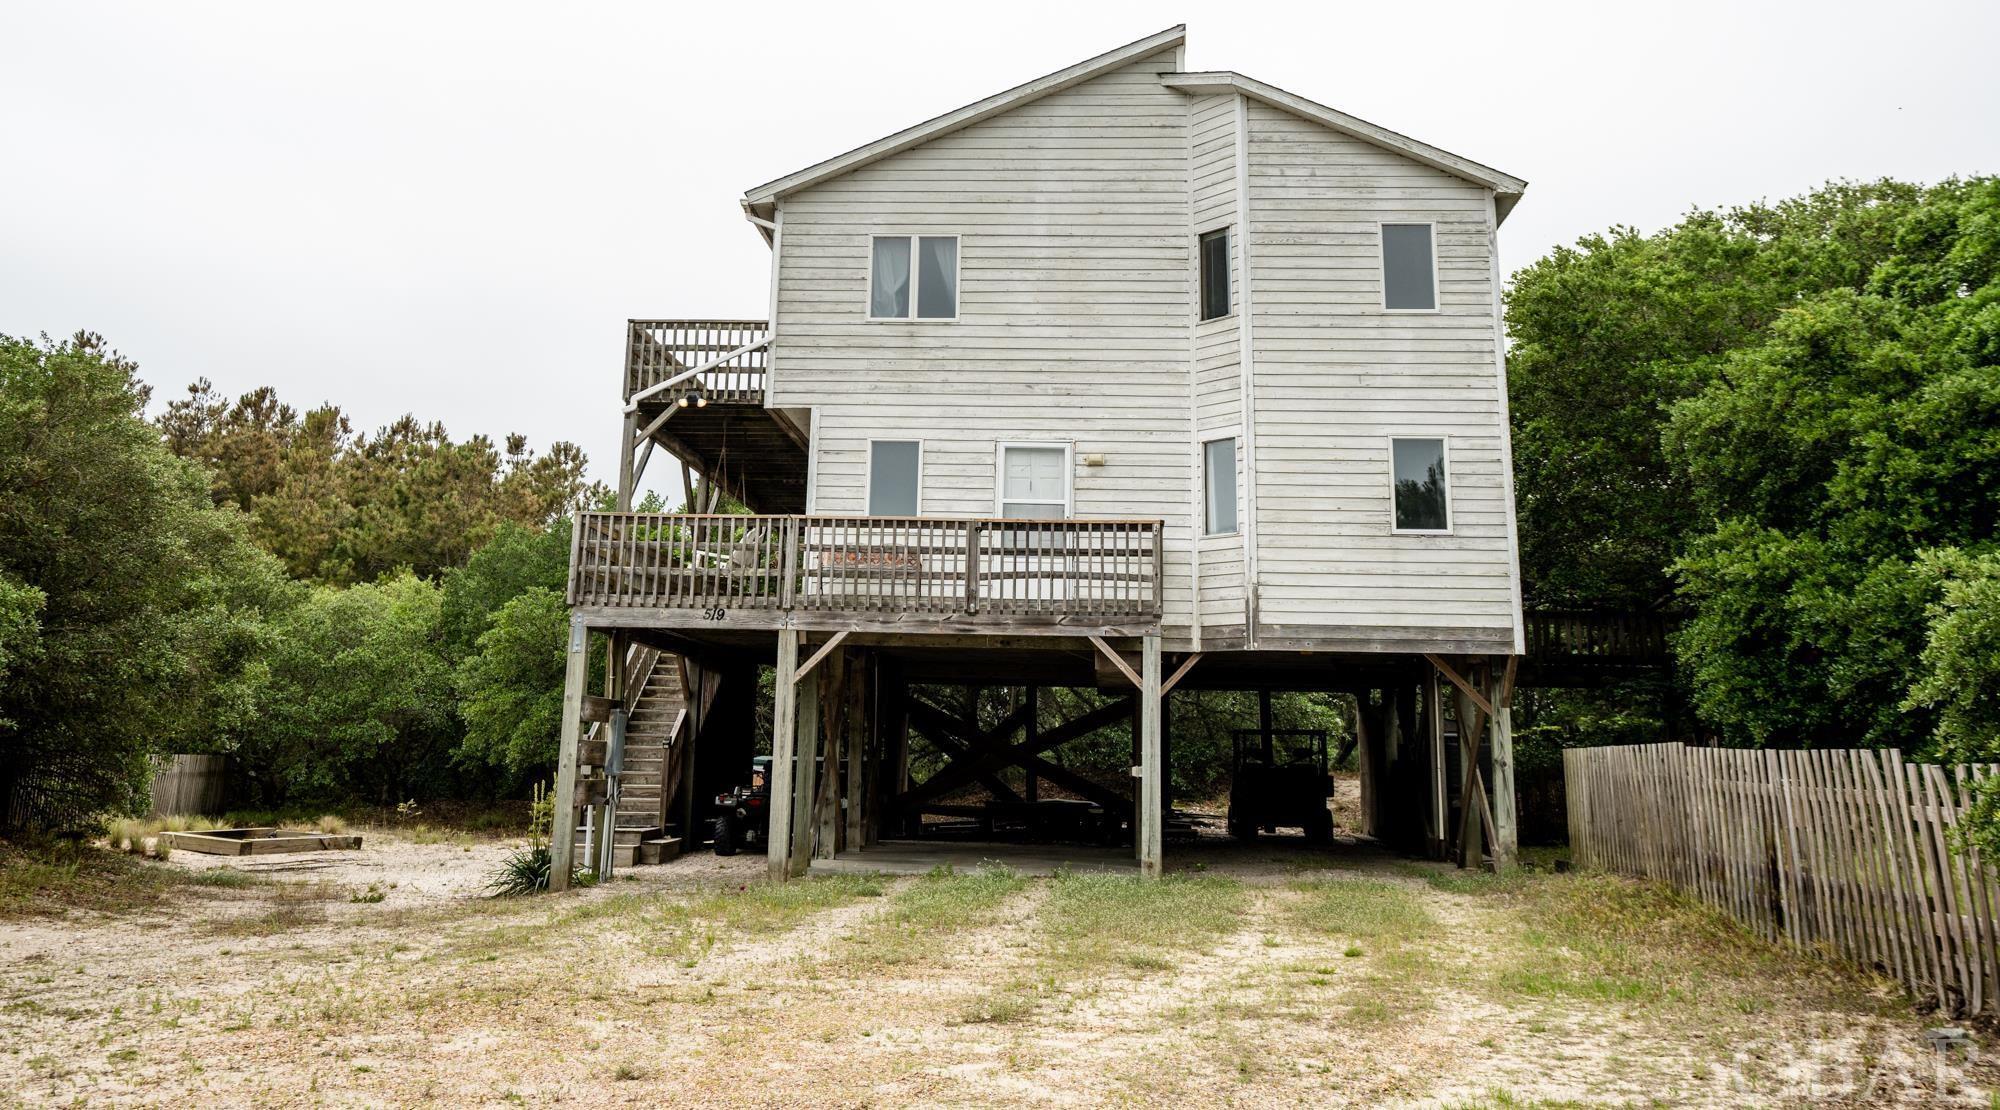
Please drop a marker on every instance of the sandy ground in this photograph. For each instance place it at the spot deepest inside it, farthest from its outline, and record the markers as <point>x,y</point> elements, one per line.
<point>305,988</point>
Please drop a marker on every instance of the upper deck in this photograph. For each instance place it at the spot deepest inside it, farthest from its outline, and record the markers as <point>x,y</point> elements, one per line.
<point>697,389</point>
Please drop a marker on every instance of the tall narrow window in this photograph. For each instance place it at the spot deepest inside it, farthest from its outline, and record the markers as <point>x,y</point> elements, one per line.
<point>1034,482</point>
<point>913,273</point>
<point>889,279</point>
<point>1219,485</point>
<point>895,470</point>
<point>1409,272</point>
<point>1417,479</point>
<point>1215,274</point>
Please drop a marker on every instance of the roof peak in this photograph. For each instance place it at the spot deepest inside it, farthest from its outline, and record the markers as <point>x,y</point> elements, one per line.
<point>964,117</point>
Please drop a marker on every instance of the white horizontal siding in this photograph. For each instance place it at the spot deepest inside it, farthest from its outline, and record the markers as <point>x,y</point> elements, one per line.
<point>1077,216</point>
<point>1336,377</point>
<point>1074,302</point>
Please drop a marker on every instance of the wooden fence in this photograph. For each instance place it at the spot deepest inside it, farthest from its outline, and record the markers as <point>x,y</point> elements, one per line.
<point>188,784</point>
<point>1850,852</point>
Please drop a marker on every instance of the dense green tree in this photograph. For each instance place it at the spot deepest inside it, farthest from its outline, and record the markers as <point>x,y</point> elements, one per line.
<point>517,559</point>
<point>511,687</point>
<point>1785,420</point>
<point>357,699</point>
<point>124,592</point>
<point>340,508</point>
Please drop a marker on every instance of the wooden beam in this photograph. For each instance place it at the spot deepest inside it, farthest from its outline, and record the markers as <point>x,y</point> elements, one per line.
<point>994,756</point>
<point>824,650</point>
<point>1151,813</point>
<point>659,422</point>
<point>806,797</point>
<point>1117,660</point>
<point>1173,680</point>
<point>562,833</point>
<point>784,751</point>
<point>1502,816</point>
<point>1455,679</point>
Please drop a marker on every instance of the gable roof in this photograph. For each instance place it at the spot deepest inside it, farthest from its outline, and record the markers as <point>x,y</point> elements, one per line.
<point>758,202</point>
<point>764,194</point>
<point>1506,187</point>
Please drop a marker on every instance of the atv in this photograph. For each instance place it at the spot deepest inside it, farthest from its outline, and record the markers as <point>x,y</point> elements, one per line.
<point>743,813</point>
<point>1280,780</point>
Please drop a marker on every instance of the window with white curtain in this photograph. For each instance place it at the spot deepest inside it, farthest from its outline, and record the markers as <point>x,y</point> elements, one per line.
<point>1034,482</point>
<point>913,277</point>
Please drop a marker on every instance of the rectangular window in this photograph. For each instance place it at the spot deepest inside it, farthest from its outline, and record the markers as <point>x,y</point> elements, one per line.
<point>1409,268</point>
<point>1417,478</point>
<point>1215,274</point>
<point>917,272</point>
<point>1219,485</point>
<point>895,470</point>
<point>1034,483</point>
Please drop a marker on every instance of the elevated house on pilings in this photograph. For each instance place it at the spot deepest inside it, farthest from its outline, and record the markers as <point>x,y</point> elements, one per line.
<point>1130,377</point>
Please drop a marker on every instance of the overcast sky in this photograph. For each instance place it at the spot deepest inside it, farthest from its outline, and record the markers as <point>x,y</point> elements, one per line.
<point>451,210</point>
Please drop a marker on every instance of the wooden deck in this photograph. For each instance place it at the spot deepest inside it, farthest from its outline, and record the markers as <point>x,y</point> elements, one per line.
<point>696,389</point>
<point>1069,577</point>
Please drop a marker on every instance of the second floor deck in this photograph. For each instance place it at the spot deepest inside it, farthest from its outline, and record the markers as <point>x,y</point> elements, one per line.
<point>928,574</point>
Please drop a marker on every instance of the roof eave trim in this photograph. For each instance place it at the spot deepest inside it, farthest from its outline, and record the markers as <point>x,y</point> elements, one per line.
<point>966,116</point>
<point>1506,185</point>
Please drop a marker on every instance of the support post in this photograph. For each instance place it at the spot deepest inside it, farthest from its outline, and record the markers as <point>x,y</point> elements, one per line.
<point>1506,834</point>
<point>1031,785</point>
<point>628,429</point>
<point>805,813</point>
<point>855,738</point>
<point>1440,789</point>
<point>562,831</point>
<point>1471,838</point>
<point>784,754</point>
<point>832,682</point>
<point>1150,765</point>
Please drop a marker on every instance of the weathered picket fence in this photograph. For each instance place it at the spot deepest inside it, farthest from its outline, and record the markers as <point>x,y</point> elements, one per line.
<point>1850,852</point>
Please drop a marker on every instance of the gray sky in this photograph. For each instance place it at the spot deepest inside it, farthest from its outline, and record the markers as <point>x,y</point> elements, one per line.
<point>451,209</point>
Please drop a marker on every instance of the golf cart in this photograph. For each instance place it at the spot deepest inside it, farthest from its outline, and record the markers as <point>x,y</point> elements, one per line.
<point>1279,780</point>
<point>743,813</point>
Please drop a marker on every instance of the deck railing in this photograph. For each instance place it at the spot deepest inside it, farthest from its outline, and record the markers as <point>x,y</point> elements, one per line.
<point>1597,637</point>
<point>661,350</point>
<point>870,567</point>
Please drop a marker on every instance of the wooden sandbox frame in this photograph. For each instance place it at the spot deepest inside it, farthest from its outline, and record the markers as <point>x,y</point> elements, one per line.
<point>258,841</point>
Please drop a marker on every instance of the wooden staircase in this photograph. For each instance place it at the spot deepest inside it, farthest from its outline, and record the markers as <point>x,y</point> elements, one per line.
<point>652,763</point>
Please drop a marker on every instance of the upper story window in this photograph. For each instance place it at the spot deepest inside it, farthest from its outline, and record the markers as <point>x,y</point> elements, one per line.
<point>1409,268</point>
<point>1218,482</point>
<point>1034,481</point>
<point>913,277</point>
<point>1214,270</point>
<point>895,476</point>
<point>1417,481</point>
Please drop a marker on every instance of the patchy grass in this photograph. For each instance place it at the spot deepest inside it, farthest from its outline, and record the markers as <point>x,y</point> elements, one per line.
<point>1607,939</point>
<point>1096,925</point>
<point>686,928</point>
<point>285,907</point>
<point>924,917</point>
<point>1095,922</point>
<point>1359,910</point>
<point>53,878</point>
